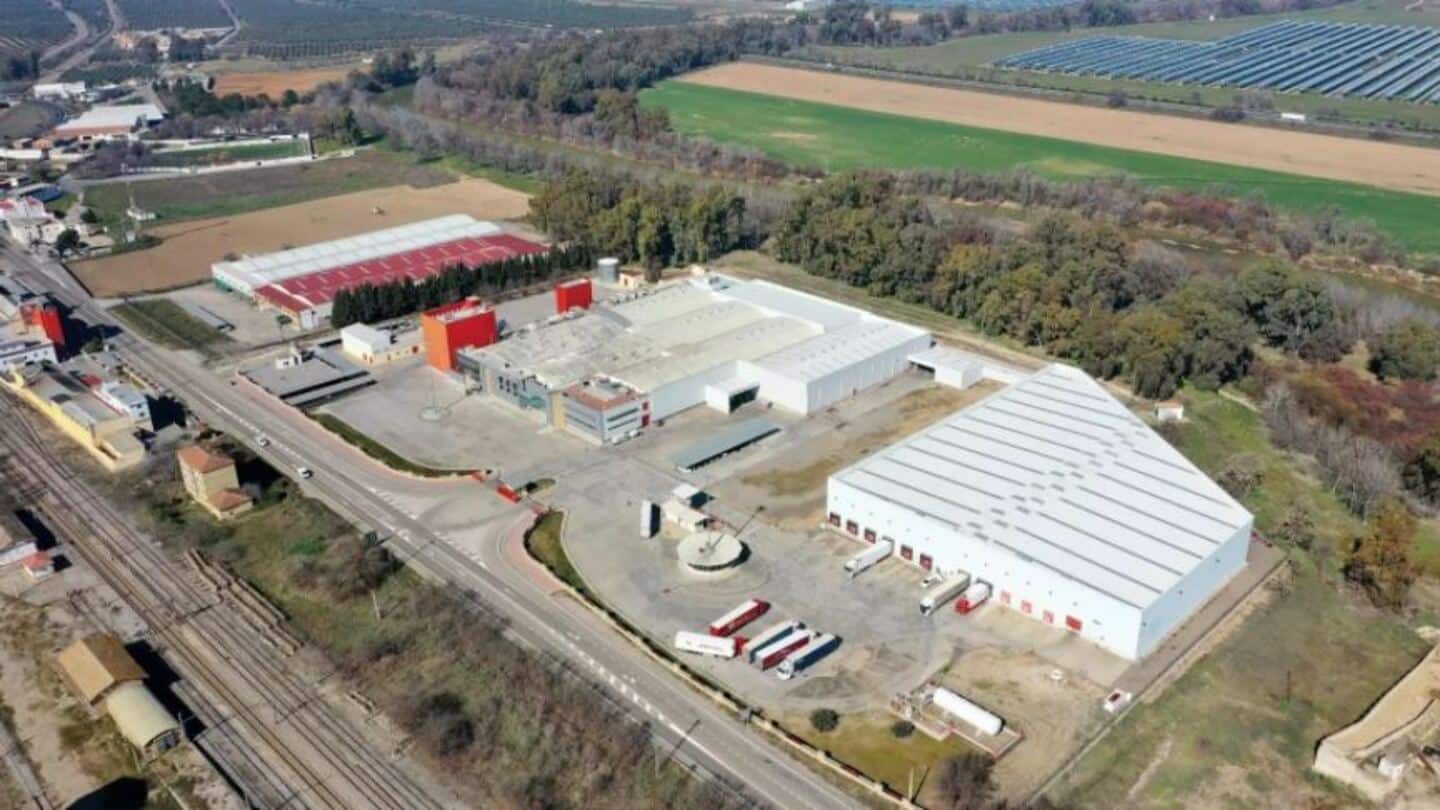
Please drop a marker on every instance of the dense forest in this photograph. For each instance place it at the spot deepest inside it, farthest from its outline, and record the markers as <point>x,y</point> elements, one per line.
<point>369,303</point>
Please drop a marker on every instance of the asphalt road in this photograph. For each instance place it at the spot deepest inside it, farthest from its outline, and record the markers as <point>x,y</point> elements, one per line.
<point>413,514</point>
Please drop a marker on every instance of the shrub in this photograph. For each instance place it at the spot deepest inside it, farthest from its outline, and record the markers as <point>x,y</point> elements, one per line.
<point>902,729</point>
<point>824,719</point>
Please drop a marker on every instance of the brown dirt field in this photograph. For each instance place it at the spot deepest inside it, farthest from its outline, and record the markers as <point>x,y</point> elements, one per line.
<point>274,84</point>
<point>1387,165</point>
<point>189,248</point>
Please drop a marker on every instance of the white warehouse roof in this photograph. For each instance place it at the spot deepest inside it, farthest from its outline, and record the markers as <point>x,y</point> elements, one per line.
<point>1057,471</point>
<point>253,272</point>
<point>839,349</point>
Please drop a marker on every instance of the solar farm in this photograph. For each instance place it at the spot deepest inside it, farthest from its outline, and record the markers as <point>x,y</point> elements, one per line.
<point>1389,62</point>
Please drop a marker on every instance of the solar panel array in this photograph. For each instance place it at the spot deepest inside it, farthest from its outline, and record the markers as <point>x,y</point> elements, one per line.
<point>1339,59</point>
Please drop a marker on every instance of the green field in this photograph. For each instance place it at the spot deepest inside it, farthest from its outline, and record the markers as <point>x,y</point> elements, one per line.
<point>839,138</point>
<point>167,323</point>
<point>222,154</point>
<point>967,57</point>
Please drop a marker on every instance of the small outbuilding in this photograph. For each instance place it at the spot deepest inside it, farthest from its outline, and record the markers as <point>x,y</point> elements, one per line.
<point>106,677</point>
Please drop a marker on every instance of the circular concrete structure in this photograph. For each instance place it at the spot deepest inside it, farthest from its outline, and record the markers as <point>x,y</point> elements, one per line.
<point>710,551</point>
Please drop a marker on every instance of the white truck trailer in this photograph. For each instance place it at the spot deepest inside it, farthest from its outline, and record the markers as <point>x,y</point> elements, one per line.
<point>942,593</point>
<point>869,557</point>
<point>704,644</point>
<point>770,635</point>
<point>964,710</point>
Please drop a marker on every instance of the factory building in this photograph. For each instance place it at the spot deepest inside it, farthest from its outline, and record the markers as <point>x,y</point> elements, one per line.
<point>709,340</point>
<point>462,325</point>
<point>30,326</point>
<point>1051,490</point>
<point>376,346</point>
<point>302,282</point>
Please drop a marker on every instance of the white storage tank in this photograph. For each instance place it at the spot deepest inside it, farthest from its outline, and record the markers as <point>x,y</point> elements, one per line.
<point>971,713</point>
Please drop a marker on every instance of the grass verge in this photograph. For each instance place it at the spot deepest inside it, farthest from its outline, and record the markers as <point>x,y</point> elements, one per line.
<point>833,137</point>
<point>167,323</point>
<point>378,451</point>
<point>864,741</point>
<point>543,542</point>
<point>223,154</point>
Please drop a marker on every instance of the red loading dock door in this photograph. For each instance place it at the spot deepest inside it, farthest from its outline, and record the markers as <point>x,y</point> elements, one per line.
<point>834,519</point>
<point>907,553</point>
<point>1049,617</point>
<point>869,535</point>
<point>1074,623</point>
<point>852,527</point>
<point>925,561</point>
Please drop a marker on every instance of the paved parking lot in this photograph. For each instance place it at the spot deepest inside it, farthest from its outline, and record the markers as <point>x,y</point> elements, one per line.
<point>427,417</point>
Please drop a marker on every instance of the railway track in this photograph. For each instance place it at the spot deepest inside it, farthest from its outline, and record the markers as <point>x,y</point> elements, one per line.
<point>339,768</point>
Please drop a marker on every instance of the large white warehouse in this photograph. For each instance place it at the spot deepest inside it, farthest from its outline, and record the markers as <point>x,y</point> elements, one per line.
<point>1070,506</point>
<point>709,340</point>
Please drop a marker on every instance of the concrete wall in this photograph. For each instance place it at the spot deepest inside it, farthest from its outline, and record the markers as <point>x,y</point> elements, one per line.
<point>825,391</point>
<point>1174,606</point>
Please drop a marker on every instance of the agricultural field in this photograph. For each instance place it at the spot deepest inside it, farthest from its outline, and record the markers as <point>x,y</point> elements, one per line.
<point>560,13</point>
<point>970,58</point>
<point>226,194</point>
<point>29,25</point>
<point>145,15</point>
<point>220,155</point>
<point>109,72</point>
<point>291,29</point>
<point>897,129</point>
<point>275,83</point>
<point>187,249</point>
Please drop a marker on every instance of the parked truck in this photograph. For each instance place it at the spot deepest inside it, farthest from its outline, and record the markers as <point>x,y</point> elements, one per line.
<point>869,557</point>
<point>806,657</point>
<point>703,644</point>
<point>940,594</point>
<point>744,613</point>
<point>777,651</point>
<point>974,597</point>
<point>770,635</point>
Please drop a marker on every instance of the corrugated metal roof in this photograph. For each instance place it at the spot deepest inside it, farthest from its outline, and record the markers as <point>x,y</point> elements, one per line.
<point>272,268</point>
<point>839,349</point>
<point>1059,472</point>
<point>138,715</point>
<point>735,436</point>
<point>825,314</point>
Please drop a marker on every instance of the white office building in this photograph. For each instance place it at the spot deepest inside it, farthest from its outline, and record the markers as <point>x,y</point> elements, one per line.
<point>1072,508</point>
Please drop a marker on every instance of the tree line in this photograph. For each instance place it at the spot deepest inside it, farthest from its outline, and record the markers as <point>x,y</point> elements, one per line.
<point>658,225</point>
<point>369,303</point>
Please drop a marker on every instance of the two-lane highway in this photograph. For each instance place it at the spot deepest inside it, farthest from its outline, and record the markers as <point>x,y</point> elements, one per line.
<point>409,512</point>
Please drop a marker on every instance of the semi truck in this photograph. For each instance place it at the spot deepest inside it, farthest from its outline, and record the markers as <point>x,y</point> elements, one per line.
<point>806,657</point>
<point>974,597</point>
<point>777,651</point>
<point>869,557</point>
<point>940,594</point>
<point>966,711</point>
<point>703,644</point>
<point>744,613</point>
<point>770,635</point>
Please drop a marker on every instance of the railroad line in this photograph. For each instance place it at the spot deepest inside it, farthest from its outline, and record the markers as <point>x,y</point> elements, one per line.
<point>163,594</point>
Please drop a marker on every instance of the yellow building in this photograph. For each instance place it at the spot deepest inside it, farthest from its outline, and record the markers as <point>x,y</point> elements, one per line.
<point>212,480</point>
<point>108,435</point>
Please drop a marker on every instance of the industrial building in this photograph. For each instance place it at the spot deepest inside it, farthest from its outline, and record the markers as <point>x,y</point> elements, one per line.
<point>302,282</point>
<point>1072,508</point>
<point>72,405</point>
<point>462,325</point>
<point>376,346</point>
<point>30,326</point>
<point>106,677</point>
<point>708,340</point>
<point>108,122</point>
<point>575,294</point>
<point>305,378</point>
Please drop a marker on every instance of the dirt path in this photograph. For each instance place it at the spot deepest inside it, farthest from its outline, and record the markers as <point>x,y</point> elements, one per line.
<point>1387,165</point>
